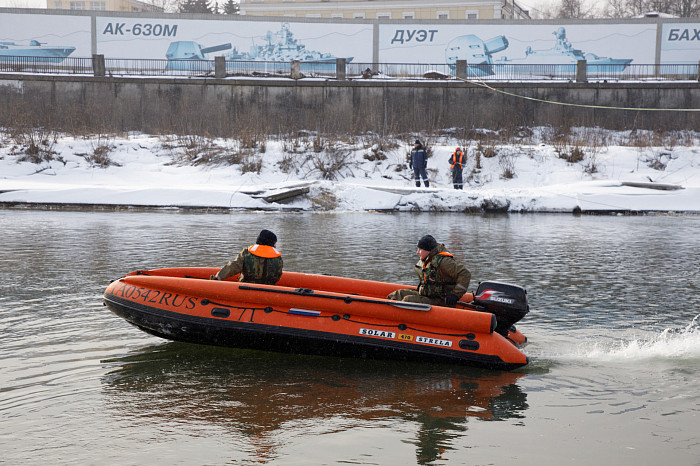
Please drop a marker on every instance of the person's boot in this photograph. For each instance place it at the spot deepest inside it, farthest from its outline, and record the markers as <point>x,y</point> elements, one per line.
<point>427,183</point>
<point>417,184</point>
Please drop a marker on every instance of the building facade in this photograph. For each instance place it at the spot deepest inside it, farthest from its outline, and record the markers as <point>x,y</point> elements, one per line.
<point>102,5</point>
<point>386,9</point>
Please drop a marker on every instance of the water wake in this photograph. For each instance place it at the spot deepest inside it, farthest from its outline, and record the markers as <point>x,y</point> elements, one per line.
<point>677,344</point>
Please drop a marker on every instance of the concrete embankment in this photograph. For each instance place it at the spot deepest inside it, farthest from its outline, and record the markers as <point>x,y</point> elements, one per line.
<point>275,106</point>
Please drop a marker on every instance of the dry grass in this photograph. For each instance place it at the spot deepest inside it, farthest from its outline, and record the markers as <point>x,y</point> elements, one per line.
<point>101,147</point>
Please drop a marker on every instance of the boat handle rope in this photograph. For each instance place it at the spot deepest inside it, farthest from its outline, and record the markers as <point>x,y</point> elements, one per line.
<point>347,299</point>
<point>335,318</point>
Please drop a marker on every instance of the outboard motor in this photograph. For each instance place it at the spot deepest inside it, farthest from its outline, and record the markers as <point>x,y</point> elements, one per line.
<point>507,302</point>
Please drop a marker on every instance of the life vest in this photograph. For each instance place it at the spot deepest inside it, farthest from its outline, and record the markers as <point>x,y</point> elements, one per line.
<point>454,160</point>
<point>432,282</point>
<point>261,250</point>
<point>262,265</point>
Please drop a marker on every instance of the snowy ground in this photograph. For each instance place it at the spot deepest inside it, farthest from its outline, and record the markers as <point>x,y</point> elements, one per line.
<point>155,171</point>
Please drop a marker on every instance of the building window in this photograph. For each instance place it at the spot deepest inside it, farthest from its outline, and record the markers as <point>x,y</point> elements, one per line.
<point>58,5</point>
<point>336,15</point>
<point>77,5</point>
<point>471,14</point>
<point>290,15</point>
<point>383,15</point>
<point>358,16</point>
<point>408,15</point>
<point>101,6</point>
<point>443,15</point>
<point>313,15</point>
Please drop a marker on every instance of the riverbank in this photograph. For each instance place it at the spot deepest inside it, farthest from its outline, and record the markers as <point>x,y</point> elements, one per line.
<point>593,171</point>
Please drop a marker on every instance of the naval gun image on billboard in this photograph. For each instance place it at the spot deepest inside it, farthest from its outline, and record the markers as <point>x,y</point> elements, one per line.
<point>480,61</point>
<point>476,52</point>
<point>187,54</point>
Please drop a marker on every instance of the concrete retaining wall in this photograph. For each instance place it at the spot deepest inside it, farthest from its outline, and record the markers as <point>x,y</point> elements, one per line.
<point>227,106</point>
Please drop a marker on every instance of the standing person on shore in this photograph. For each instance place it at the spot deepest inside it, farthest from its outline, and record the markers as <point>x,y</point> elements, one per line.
<point>443,280</point>
<point>259,263</point>
<point>419,162</point>
<point>457,165</point>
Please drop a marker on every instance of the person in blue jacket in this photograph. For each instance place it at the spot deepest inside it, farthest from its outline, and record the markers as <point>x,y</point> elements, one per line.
<point>419,162</point>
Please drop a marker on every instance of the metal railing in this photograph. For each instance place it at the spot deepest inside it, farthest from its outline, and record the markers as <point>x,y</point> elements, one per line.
<point>157,67</point>
<point>332,69</point>
<point>50,65</point>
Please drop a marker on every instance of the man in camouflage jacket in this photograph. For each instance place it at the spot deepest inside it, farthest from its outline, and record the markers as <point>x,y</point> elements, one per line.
<point>443,280</point>
<point>259,263</point>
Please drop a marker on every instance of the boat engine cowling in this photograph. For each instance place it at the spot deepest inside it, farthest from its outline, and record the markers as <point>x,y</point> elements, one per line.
<point>507,302</point>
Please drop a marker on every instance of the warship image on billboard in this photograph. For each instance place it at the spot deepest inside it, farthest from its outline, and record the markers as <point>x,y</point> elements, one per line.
<point>37,51</point>
<point>282,46</point>
<point>478,55</point>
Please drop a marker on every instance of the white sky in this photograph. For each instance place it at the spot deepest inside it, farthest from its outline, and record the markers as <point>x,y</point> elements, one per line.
<point>23,3</point>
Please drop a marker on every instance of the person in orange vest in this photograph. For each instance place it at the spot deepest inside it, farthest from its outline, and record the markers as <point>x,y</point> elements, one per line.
<point>259,263</point>
<point>457,165</point>
<point>442,280</point>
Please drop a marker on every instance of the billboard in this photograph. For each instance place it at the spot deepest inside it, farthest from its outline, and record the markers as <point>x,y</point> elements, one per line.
<point>44,38</point>
<point>605,47</point>
<point>181,40</point>
<point>680,43</point>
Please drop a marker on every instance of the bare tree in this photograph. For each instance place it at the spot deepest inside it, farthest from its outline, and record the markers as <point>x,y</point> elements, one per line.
<point>575,9</point>
<point>630,8</point>
<point>168,6</point>
<point>615,9</point>
<point>686,8</point>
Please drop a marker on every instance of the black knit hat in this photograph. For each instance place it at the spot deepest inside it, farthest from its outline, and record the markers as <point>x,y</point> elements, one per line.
<point>427,243</point>
<point>417,142</point>
<point>266,238</point>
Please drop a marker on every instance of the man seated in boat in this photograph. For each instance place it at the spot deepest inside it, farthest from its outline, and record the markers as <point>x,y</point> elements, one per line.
<point>259,263</point>
<point>443,280</point>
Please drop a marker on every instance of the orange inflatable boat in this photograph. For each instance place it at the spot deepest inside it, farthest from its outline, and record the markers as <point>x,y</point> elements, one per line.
<point>326,315</point>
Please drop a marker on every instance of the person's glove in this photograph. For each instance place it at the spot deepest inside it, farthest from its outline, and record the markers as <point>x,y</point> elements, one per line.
<point>451,299</point>
<point>213,277</point>
<point>410,165</point>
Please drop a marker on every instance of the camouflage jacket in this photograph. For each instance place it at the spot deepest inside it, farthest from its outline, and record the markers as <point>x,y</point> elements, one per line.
<point>253,267</point>
<point>440,274</point>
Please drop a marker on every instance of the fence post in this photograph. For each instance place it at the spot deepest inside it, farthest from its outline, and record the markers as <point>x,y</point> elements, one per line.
<point>98,65</point>
<point>581,71</point>
<point>219,67</point>
<point>699,71</point>
<point>461,69</point>
<point>296,69</point>
<point>340,69</point>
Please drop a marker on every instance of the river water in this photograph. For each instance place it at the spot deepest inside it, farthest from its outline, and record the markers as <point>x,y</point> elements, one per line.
<point>614,344</point>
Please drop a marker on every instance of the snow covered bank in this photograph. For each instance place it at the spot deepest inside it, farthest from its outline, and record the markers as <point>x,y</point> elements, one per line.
<point>527,175</point>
